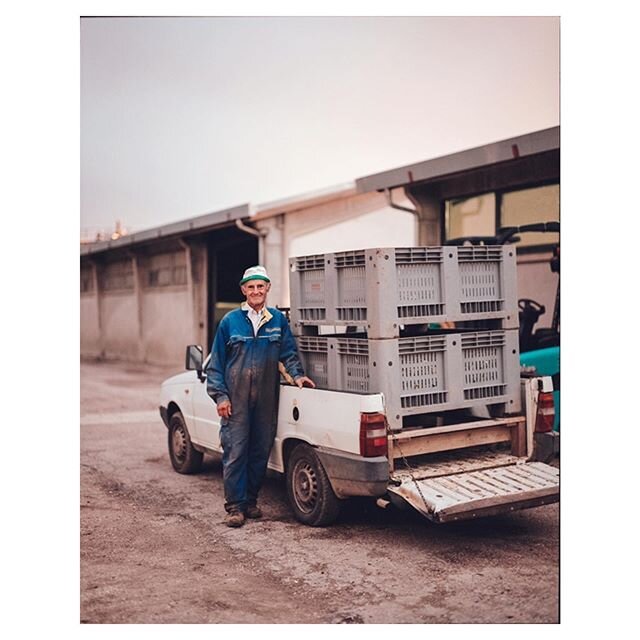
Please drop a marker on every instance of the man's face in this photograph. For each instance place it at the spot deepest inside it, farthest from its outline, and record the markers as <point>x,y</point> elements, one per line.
<point>255,291</point>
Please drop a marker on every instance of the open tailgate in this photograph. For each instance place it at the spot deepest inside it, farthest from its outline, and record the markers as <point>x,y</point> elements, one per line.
<point>461,471</point>
<point>460,495</point>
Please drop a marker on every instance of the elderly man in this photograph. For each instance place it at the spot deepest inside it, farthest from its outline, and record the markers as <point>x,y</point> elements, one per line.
<point>243,380</point>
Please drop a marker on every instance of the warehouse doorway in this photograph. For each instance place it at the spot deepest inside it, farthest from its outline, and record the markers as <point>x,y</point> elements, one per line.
<point>230,251</point>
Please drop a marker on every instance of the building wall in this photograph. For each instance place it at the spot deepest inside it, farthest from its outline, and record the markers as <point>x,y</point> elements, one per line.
<point>89,325</point>
<point>144,307</point>
<point>167,325</point>
<point>119,325</point>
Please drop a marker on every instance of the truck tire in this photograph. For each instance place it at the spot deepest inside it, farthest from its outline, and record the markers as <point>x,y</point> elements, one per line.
<point>184,458</point>
<point>310,494</point>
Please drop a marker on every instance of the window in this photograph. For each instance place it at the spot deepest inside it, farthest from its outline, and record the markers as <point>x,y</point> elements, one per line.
<point>474,216</point>
<point>167,269</point>
<point>526,206</point>
<point>117,276</point>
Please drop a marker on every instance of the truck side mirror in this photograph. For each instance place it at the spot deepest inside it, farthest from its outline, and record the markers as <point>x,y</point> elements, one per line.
<point>193,358</point>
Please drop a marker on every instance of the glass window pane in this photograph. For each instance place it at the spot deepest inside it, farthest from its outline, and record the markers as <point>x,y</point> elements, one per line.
<point>117,276</point>
<point>541,204</point>
<point>471,217</point>
<point>167,269</point>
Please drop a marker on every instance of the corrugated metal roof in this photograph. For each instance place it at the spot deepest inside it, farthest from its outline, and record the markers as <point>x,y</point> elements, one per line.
<point>199,223</point>
<point>502,151</point>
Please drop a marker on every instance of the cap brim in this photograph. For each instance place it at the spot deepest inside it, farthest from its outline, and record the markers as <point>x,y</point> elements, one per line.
<point>254,278</point>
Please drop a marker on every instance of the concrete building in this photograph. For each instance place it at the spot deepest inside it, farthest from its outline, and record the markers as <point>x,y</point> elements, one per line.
<point>146,295</point>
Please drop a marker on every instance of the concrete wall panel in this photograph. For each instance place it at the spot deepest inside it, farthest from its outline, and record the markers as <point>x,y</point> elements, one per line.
<point>168,325</point>
<point>120,326</point>
<point>89,326</point>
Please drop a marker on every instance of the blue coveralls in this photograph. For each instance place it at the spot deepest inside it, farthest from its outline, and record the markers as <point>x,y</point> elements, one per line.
<point>244,369</point>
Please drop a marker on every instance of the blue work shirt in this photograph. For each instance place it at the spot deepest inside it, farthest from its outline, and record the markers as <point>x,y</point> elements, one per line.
<point>243,367</point>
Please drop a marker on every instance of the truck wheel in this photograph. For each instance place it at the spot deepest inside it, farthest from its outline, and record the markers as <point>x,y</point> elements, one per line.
<point>184,458</point>
<point>309,490</point>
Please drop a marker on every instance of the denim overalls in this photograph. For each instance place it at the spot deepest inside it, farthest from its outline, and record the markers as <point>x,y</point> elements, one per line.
<point>244,369</point>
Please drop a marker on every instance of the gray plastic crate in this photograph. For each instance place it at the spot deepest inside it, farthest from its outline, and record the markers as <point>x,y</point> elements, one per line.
<point>314,355</point>
<point>309,299</point>
<point>380,290</point>
<point>423,374</point>
<point>487,284</point>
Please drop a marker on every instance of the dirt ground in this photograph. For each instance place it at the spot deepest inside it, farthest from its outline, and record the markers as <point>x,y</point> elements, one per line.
<point>154,548</point>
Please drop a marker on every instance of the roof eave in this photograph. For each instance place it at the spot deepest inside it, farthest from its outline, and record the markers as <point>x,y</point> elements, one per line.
<point>201,223</point>
<point>490,154</point>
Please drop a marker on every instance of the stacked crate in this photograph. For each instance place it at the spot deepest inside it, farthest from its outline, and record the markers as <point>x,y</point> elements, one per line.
<point>382,293</point>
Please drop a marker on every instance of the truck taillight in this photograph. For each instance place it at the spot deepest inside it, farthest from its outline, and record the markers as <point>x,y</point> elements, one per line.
<point>546,413</point>
<point>373,435</point>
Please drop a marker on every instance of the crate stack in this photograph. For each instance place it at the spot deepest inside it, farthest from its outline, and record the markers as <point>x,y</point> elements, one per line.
<point>394,303</point>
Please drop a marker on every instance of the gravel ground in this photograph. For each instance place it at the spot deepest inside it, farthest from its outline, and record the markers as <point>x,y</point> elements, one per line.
<point>154,548</point>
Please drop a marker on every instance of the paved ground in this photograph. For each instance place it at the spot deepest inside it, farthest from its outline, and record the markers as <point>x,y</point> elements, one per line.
<point>154,549</point>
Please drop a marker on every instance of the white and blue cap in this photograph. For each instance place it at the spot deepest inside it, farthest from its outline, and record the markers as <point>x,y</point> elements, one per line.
<point>255,273</point>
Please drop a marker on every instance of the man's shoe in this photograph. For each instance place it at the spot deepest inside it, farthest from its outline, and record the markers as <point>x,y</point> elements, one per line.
<point>253,511</point>
<point>234,519</point>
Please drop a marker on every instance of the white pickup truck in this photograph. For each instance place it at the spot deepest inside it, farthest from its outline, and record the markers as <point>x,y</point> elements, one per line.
<point>332,445</point>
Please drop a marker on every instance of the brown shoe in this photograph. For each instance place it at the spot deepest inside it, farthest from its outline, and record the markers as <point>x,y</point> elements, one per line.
<point>253,511</point>
<point>234,519</point>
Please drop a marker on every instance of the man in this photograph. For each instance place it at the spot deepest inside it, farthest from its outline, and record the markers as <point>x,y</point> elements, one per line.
<point>243,380</point>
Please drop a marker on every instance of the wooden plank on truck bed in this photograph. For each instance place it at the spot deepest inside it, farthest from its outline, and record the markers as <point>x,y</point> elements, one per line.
<point>459,426</point>
<point>414,442</point>
<point>432,442</point>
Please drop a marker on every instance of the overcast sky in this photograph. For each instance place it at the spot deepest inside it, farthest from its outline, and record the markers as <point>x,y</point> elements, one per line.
<point>184,116</point>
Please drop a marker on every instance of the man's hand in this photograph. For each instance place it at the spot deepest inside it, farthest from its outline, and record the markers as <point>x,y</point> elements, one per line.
<point>224,409</point>
<point>303,380</point>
